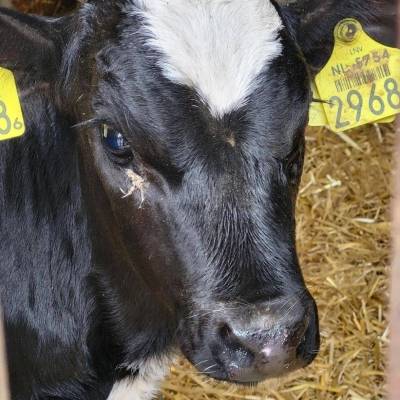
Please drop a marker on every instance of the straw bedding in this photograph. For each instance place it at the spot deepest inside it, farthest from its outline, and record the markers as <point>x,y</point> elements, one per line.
<point>343,243</point>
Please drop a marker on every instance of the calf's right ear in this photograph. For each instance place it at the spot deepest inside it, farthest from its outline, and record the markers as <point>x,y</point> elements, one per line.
<point>316,21</point>
<point>29,44</point>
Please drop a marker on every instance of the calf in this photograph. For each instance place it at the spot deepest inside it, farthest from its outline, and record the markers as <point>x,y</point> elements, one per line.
<point>150,206</point>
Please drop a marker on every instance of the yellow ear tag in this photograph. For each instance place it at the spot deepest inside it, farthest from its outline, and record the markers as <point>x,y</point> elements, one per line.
<point>11,119</point>
<point>361,81</point>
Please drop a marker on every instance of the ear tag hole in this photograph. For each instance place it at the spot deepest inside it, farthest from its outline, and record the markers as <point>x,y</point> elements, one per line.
<point>348,30</point>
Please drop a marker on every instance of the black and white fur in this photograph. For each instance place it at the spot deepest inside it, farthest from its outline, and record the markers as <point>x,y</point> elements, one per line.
<point>113,260</point>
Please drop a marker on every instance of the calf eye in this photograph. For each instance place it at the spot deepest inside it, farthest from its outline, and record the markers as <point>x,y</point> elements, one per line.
<point>294,164</point>
<point>113,139</point>
<point>293,171</point>
<point>116,145</point>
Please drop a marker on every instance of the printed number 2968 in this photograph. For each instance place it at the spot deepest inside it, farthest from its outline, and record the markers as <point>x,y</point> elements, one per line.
<point>376,104</point>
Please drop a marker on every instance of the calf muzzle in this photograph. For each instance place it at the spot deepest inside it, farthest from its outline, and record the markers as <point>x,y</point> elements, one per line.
<point>264,341</point>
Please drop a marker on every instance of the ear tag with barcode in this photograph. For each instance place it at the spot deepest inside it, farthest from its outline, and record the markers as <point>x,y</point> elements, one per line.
<point>11,119</point>
<point>360,83</point>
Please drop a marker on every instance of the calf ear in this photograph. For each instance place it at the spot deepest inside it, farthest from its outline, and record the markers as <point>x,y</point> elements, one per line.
<point>318,18</point>
<point>28,44</point>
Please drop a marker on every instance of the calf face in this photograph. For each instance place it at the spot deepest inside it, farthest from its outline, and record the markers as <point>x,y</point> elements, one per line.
<point>190,118</point>
<point>197,142</point>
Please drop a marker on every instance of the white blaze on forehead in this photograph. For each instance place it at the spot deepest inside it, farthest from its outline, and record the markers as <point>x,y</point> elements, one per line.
<point>217,47</point>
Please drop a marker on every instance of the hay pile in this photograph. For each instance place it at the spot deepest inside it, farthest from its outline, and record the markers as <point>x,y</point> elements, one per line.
<point>343,242</point>
<point>343,215</point>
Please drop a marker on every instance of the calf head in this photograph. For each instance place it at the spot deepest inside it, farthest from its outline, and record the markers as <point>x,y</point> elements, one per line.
<point>191,118</point>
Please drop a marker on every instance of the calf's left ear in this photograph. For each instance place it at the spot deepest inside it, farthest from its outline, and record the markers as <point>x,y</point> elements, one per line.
<point>312,22</point>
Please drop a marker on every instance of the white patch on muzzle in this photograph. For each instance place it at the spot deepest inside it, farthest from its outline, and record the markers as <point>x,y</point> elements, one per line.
<point>146,384</point>
<point>217,47</point>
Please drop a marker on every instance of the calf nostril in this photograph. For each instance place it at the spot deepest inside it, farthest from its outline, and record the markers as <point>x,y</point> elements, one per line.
<point>225,331</point>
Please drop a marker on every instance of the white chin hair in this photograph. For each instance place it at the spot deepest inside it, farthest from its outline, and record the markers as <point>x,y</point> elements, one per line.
<point>146,384</point>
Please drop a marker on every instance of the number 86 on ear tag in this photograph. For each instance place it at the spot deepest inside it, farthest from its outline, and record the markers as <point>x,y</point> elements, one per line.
<point>361,81</point>
<point>11,119</point>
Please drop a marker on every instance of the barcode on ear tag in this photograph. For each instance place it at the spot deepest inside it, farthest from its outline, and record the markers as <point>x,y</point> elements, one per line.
<point>11,119</point>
